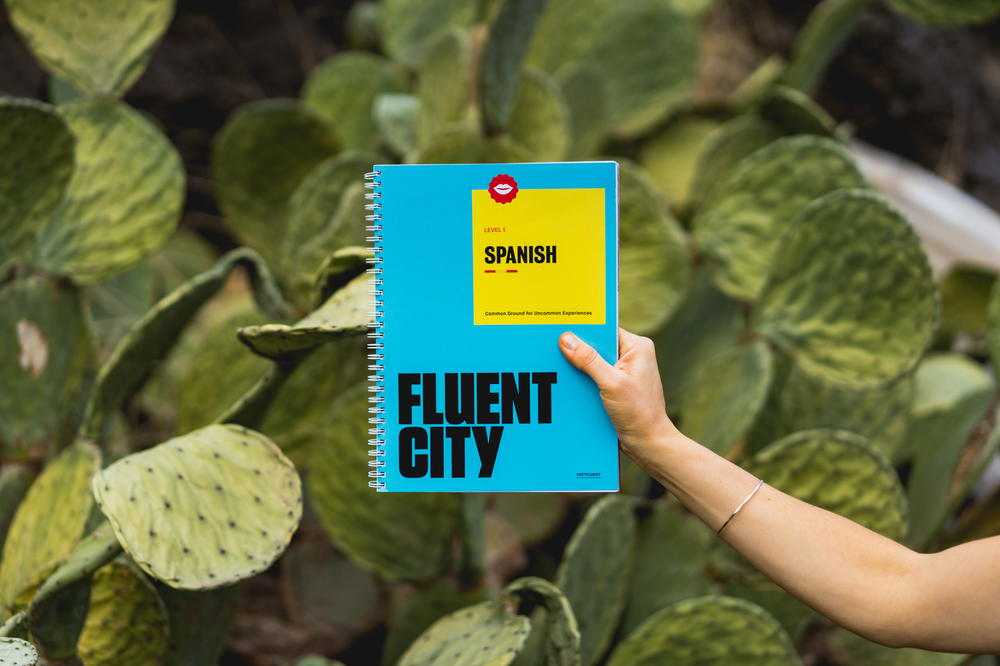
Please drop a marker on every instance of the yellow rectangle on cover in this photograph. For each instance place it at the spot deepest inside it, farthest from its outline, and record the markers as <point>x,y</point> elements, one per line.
<point>548,259</point>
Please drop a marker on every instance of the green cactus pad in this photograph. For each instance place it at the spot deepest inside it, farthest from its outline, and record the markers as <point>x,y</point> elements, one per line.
<point>725,396</point>
<point>947,12</point>
<point>37,146</point>
<point>311,568</point>
<point>259,158</point>
<point>595,571</point>
<point>586,96</point>
<point>152,337</point>
<point>206,509</point>
<point>58,609</point>
<point>669,562</point>
<point>872,323</point>
<point>443,83</point>
<point>338,269</point>
<point>48,524</point>
<point>123,200</point>
<point>755,587</point>
<point>199,623</point>
<point>396,116</point>
<point>15,652</point>
<point>461,145</point>
<point>850,649</point>
<point>345,313</point>
<point>486,634</point>
<point>740,224</point>
<point>965,297</point>
<point>654,262</point>
<point>343,88</point>
<point>953,395</point>
<point>671,157</point>
<point>880,413</point>
<point>400,535</point>
<point>126,621</point>
<point>321,218</point>
<point>316,660</point>
<point>993,325</point>
<point>412,615</point>
<point>500,69</point>
<point>562,640</point>
<point>705,323</point>
<point>409,26</point>
<point>838,471</point>
<point>540,120</point>
<point>15,479</point>
<point>100,46</point>
<point>794,112</point>
<point>535,516</point>
<point>46,366</point>
<point>644,84</point>
<point>734,140</point>
<point>707,631</point>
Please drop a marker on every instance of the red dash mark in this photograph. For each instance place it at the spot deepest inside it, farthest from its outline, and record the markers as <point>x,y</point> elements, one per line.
<point>489,271</point>
<point>511,270</point>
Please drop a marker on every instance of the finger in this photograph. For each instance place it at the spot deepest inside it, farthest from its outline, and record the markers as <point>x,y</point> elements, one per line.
<point>627,341</point>
<point>586,358</point>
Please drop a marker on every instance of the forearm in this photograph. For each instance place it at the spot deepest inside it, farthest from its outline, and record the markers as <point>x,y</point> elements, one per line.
<point>850,574</point>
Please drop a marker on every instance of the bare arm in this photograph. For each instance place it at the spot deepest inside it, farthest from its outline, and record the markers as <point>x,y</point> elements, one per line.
<point>861,580</point>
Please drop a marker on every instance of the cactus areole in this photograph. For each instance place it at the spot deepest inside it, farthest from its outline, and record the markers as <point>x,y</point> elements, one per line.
<point>470,411</point>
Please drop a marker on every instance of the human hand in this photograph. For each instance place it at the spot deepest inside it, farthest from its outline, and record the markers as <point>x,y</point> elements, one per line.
<point>631,389</point>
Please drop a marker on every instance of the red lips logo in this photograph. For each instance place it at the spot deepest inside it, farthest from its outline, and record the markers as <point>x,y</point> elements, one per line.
<point>503,188</point>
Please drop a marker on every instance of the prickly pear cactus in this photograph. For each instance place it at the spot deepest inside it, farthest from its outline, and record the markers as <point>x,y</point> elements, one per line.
<point>345,313</point>
<point>487,634</point>
<point>808,464</point>
<point>873,321</point>
<point>850,649</point>
<point>654,261</point>
<point>48,524</point>
<point>152,337</point>
<point>101,46</point>
<point>561,645</point>
<point>37,146</point>
<point>206,509</point>
<point>953,395</point>
<point>643,84</point>
<point>15,652</point>
<point>418,611</point>
<point>993,325</point>
<point>126,621</point>
<point>595,570</point>
<point>58,609</point>
<point>260,157</point>
<point>802,402</point>
<point>409,26</point>
<point>199,623</point>
<point>401,535</point>
<point>740,225</point>
<point>669,561</point>
<point>343,90</point>
<point>726,394</point>
<point>947,12</point>
<point>707,631</point>
<point>46,365</point>
<point>128,178</point>
<point>322,217</point>
<point>443,84</point>
<point>460,145</point>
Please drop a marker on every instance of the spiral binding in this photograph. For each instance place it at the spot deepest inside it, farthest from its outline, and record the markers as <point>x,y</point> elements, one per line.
<point>376,380</point>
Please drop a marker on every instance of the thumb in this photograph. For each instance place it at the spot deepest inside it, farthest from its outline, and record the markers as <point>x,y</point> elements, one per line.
<point>586,358</point>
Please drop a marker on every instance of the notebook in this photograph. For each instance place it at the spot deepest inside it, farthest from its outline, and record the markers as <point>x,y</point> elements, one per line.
<point>478,268</point>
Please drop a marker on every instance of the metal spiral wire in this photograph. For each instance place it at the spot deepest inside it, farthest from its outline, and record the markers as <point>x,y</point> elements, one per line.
<point>376,386</point>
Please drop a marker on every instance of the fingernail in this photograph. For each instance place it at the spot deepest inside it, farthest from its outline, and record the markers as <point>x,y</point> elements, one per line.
<point>570,340</point>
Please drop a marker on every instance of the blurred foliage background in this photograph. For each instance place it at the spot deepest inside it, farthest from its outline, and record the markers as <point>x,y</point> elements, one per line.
<point>181,245</point>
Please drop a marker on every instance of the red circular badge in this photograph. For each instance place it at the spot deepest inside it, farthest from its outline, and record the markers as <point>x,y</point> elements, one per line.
<point>503,188</point>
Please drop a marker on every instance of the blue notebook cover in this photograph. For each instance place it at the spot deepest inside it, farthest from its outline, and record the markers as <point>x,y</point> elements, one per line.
<point>482,267</point>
